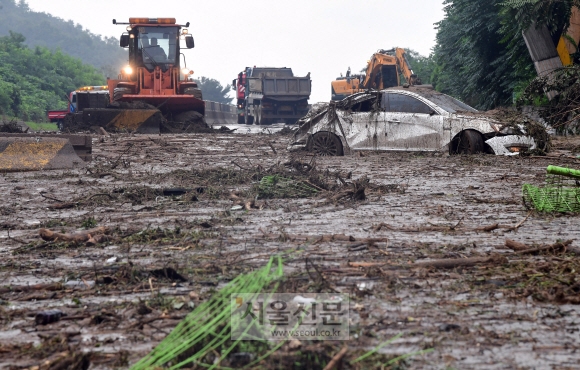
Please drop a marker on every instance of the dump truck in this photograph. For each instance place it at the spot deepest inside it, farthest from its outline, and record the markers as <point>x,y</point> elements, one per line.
<point>383,71</point>
<point>154,91</point>
<point>267,95</point>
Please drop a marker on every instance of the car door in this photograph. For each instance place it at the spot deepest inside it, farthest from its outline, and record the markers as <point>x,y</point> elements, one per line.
<point>411,124</point>
<point>363,125</point>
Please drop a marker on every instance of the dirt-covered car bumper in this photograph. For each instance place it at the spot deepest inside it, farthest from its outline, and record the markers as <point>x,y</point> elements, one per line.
<point>511,144</point>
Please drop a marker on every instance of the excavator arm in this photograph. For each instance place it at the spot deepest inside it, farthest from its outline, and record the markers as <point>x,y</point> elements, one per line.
<point>405,67</point>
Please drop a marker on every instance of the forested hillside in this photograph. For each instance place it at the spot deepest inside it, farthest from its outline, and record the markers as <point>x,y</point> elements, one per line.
<point>35,80</point>
<point>43,58</point>
<point>41,29</point>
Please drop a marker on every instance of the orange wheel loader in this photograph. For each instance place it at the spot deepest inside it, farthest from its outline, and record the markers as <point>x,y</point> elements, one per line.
<point>154,92</point>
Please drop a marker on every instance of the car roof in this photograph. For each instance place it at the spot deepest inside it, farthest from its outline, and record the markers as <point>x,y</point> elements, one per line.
<point>445,102</point>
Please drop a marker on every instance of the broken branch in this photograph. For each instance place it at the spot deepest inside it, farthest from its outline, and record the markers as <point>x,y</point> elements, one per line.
<point>461,262</point>
<point>336,359</point>
<point>516,246</point>
<point>555,246</point>
<point>79,237</point>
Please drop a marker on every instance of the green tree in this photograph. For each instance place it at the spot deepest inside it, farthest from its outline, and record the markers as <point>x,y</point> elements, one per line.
<point>480,55</point>
<point>33,81</point>
<point>212,90</point>
<point>472,56</point>
<point>421,65</point>
<point>22,4</point>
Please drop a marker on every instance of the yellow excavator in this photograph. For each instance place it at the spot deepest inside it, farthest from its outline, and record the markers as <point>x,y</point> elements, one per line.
<point>383,71</point>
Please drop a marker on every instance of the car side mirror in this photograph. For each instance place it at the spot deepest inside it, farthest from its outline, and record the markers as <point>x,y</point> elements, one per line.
<point>234,84</point>
<point>189,42</point>
<point>124,41</point>
<point>432,113</point>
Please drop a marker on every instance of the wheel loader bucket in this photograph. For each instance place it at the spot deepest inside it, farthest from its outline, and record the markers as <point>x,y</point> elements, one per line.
<point>143,121</point>
<point>37,153</point>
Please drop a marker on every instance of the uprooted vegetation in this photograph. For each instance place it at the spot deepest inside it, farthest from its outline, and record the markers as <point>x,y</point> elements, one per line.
<point>519,123</point>
<point>11,127</point>
<point>295,178</point>
<point>562,112</point>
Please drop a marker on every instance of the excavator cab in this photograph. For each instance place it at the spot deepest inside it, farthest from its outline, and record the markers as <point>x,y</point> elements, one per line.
<point>387,77</point>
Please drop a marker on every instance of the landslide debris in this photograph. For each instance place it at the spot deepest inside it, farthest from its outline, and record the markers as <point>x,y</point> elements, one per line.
<point>562,111</point>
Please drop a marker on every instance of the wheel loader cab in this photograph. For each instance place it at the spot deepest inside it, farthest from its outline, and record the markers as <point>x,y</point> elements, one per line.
<point>156,46</point>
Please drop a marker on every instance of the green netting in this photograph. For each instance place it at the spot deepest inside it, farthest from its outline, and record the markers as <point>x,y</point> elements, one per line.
<point>561,192</point>
<point>207,329</point>
<point>276,186</point>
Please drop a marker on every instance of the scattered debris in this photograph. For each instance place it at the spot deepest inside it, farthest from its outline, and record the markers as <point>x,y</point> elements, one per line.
<point>93,236</point>
<point>419,210</point>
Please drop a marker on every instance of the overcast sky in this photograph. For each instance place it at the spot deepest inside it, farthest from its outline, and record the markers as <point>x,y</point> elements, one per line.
<point>316,36</point>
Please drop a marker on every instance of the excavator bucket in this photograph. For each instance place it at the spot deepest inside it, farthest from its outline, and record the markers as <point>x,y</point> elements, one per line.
<point>143,121</point>
<point>34,153</point>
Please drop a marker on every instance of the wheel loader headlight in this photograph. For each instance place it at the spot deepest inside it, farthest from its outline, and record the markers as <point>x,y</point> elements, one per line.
<point>128,70</point>
<point>186,71</point>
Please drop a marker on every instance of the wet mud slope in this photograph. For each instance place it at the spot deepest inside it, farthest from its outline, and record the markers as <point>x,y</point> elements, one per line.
<point>429,246</point>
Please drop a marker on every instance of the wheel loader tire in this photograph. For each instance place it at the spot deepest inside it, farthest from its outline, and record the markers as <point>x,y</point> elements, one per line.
<point>119,92</point>
<point>193,91</point>
<point>189,121</point>
<point>189,116</point>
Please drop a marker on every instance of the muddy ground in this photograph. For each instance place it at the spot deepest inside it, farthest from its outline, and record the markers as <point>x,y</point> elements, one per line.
<point>166,252</point>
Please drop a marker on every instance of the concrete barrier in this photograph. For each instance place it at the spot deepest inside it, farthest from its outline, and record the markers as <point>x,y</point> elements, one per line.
<point>34,153</point>
<point>82,144</point>
<point>220,114</point>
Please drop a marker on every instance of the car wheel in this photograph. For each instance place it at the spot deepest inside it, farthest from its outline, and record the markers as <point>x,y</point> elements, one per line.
<point>326,144</point>
<point>469,142</point>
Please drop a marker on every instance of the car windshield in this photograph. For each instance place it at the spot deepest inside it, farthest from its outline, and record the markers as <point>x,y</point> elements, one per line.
<point>448,103</point>
<point>158,45</point>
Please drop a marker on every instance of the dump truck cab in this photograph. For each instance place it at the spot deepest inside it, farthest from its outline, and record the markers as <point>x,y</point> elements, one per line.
<point>154,73</point>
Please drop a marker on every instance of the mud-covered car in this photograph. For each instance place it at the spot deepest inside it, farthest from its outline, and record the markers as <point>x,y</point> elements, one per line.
<point>414,119</point>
